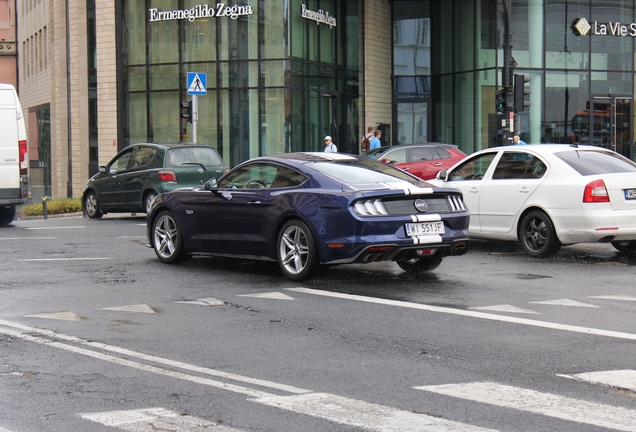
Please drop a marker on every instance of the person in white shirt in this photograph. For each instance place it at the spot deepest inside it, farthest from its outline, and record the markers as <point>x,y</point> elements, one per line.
<point>330,147</point>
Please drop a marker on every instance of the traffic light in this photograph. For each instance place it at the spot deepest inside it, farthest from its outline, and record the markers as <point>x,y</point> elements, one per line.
<point>500,99</point>
<point>186,111</point>
<point>520,92</point>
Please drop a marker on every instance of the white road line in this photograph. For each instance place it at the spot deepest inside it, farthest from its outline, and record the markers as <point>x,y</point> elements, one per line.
<point>330,407</point>
<point>57,227</point>
<point>622,379</point>
<point>368,416</point>
<point>159,360</point>
<point>547,404</point>
<point>470,314</point>
<point>63,259</point>
<point>153,419</point>
<point>27,238</point>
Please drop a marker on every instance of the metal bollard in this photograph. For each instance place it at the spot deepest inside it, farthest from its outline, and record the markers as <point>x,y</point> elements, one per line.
<point>46,215</point>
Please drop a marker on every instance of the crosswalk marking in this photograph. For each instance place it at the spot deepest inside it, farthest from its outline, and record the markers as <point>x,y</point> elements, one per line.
<point>152,420</point>
<point>547,404</point>
<point>368,416</point>
<point>623,379</point>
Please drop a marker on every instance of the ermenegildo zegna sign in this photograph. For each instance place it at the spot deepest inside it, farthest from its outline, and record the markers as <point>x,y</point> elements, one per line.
<point>583,28</point>
<point>319,16</point>
<point>201,11</point>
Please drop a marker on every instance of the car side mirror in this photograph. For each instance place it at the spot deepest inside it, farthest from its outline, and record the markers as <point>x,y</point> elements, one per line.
<point>101,169</point>
<point>442,175</point>
<point>211,184</point>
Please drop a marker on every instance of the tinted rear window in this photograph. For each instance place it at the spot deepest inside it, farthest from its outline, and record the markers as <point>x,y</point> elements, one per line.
<point>203,155</point>
<point>587,162</point>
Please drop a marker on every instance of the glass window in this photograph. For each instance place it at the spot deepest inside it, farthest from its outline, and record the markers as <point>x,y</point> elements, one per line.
<point>362,171</point>
<point>273,121</point>
<point>121,163</point>
<point>137,118</point>
<point>514,165</point>
<point>251,176</point>
<point>164,77</point>
<point>287,177</point>
<point>136,32</point>
<point>163,35</point>
<point>612,52</point>
<point>185,155</point>
<point>566,98</point>
<point>199,37</point>
<point>423,154</point>
<point>412,38</point>
<point>564,49</point>
<point>164,116</point>
<point>596,162</point>
<point>144,157</point>
<point>394,156</point>
<point>473,169</point>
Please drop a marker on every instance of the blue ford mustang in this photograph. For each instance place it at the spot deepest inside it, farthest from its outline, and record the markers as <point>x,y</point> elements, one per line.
<point>308,209</point>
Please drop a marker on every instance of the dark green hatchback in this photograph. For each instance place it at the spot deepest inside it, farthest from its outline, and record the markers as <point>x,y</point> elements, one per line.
<point>140,172</point>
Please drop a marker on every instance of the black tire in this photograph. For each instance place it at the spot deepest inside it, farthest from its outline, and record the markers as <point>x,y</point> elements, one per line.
<point>420,265</point>
<point>537,235</point>
<point>296,251</point>
<point>150,196</point>
<point>626,246</point>
<point>7,214</point>
<point>91,206</point>
<point>167,239</point>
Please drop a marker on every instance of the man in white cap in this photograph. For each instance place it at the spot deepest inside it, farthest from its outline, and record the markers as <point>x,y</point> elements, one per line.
<point>330,147</point>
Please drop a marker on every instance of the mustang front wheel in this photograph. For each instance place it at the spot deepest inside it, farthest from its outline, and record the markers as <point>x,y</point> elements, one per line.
<point>297,255</point>
<point>167,239</point>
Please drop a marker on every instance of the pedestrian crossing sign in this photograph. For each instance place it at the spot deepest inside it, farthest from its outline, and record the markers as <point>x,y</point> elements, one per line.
<point>197,83</point>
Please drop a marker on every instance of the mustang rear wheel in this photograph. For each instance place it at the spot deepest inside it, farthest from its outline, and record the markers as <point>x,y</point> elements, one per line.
<point>296,250</point>
<point>537,235</point>
<point>167,240</point>
<point>91,206</point>
<point>420,265</point>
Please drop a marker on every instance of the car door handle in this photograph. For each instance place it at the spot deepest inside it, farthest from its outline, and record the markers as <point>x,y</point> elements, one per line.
<point>437,164</point>
<point>524,190</point>
<point>252,203</point>
<point>473,191</point>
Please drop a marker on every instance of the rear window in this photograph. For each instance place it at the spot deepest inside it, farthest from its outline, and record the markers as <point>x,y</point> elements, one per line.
<point>588,162</point>
<point>362,171</point>
<point>203,155</point>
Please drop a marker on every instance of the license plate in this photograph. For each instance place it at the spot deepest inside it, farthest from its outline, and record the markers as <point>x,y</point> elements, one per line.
<point>424,228</point>
<point>630,193</point>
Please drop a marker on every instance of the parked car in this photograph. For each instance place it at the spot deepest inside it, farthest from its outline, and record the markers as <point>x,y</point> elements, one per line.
<point>423,160</point>
<point>307,209</point>
<point>142,171</point>
<point>548,195</point>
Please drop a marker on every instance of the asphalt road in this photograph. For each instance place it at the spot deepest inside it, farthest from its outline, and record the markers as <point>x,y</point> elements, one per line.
<point>97,335</point>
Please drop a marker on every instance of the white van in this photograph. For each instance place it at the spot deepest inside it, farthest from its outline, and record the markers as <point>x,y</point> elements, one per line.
<point>14,155</point>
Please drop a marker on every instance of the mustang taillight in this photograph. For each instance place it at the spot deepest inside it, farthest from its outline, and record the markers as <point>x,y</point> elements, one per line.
<point>370,207</point>
<point>595,192</point>
<point>167,176</point>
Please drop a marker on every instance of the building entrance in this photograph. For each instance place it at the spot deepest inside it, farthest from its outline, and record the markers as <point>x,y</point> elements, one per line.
<point>606,121</point>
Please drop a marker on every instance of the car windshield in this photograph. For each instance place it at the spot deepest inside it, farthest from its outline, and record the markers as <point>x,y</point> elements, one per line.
<point>587,162</point>
<point>184,155</point>
<point>362,171</point>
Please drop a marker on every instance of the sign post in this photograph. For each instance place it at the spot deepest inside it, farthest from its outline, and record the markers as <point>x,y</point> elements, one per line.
<point>197,85</point>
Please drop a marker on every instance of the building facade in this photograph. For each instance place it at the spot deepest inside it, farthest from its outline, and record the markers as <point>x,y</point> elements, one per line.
<point>97,75</point>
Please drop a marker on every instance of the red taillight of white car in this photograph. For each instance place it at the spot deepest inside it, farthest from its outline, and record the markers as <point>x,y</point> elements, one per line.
<point>167,176</point>
<point>595,192</point>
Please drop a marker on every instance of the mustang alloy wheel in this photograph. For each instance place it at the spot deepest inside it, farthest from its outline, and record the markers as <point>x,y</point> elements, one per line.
<point>537,235</point>
<point>297,255</point>
<point>91,206</point>
<point>167,239</point>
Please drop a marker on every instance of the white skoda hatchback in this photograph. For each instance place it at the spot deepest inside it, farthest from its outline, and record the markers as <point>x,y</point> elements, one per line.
<point>548,195</point>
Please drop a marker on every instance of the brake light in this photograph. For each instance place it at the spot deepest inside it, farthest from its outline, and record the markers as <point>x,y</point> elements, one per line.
<point>167,176</point>
<point>595,192</point>
<point>24,157</point>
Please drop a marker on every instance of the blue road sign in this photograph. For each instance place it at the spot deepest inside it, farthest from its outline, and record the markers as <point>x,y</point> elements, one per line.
<point>197,83</point>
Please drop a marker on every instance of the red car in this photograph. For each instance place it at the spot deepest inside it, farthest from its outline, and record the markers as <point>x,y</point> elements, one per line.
<point>423,160</point>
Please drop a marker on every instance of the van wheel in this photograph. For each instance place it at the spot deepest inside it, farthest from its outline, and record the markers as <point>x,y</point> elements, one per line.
<point>91,206</point>
<point>7,214</point>
<point>625,246</point>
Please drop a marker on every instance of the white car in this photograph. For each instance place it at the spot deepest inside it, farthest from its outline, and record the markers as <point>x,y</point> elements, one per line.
<point>548,195</point>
